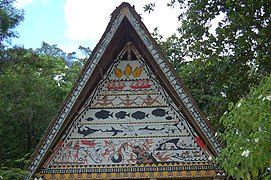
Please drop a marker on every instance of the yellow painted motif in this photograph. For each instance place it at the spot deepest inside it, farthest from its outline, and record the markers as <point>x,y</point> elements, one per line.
<point>128,70</point>
<point>118,73</point>
<point>112,175</point>
<point>137,72</point>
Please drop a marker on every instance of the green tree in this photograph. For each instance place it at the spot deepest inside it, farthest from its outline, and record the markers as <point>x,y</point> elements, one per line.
<point>10,17</point>
<point>219,66</point>
<point>33,86</point>
<point>247,135</point>
<point>30,95</point>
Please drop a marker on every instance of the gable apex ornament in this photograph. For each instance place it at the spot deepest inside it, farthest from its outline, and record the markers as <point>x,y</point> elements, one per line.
<point>128,116</point>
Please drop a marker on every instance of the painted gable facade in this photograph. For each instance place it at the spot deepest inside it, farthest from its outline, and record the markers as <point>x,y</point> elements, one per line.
<point>128,116</point>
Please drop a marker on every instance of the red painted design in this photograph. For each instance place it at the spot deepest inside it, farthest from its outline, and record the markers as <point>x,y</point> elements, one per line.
<point>115,85</point>
<point>60,143</point>
<point>88,143</point>
<point>200,142</point>
<point>141,84</point>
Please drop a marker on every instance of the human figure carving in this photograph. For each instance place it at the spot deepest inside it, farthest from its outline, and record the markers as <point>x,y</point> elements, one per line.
<point>149,100</point>
<point>104,101</point>
<point>128,101</point>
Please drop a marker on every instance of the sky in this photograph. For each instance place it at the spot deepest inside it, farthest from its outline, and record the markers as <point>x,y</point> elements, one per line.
<point>70,23</point>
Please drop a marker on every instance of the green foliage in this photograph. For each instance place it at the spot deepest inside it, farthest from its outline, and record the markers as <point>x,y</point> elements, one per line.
<point>10,17</point>
<point>247,135</point>
<point>29,98</point>
<point>12,173</point>
<point>15,169</point>
<point>219,64</point>
<point>33,86</point>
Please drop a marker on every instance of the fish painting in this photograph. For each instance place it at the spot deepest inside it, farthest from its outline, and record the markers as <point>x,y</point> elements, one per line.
<point>151,129</point>
<point>139,115</point>
<point>169,118</point>
<point>159,112</point>
<point>86,130</point>
<point>89,119</point>
<point>122,115</point>
<point>103,114</point>
<point>113,130</point>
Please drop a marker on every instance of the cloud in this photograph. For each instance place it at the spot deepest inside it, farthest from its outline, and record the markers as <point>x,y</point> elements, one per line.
<point>20,3</point>
<point>45,1</point>
<point>87,20</point>
<point>69,48</point>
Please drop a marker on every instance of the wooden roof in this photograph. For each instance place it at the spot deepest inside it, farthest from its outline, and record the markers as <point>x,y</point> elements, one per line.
<point>124,33</point>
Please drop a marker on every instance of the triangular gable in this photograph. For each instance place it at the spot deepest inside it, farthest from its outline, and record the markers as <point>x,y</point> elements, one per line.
<point>128,116</point>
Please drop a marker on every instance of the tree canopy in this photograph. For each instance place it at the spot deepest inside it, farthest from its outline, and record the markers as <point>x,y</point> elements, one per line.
<point>10,17</point>
<point>220,60</point>
<point>222,51</point>
<point>247,135</point>
<point>33,86</point>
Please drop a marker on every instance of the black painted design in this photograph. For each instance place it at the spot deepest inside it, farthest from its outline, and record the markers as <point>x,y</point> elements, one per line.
<point>118,159</point>
<point>86,130</point>
<point>142,156</point>
<point>139,115</point>
<point>103,114</point>
<point>89,119</point>
<point>122,115</point>
<point>173,130</point>
<point>169,118</point>
<point>178,156</point>
<point>151,129</point>
<point>171,141</point>
<point>159,112</point>
<point>113,130</point>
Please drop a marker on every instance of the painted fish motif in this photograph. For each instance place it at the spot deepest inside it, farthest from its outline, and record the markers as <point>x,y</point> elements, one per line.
<point>103,114</point>
<point>128,70</point>
<point>159,112</point>
<point>86,130</point>
<point>122,115</point>
<point>113,130</point>
<point>139,115</point>
<point>118,73</point>
<point>137,72</point>
<point>169,118</point>
<point>89,119</point>
<point>151,129</point>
